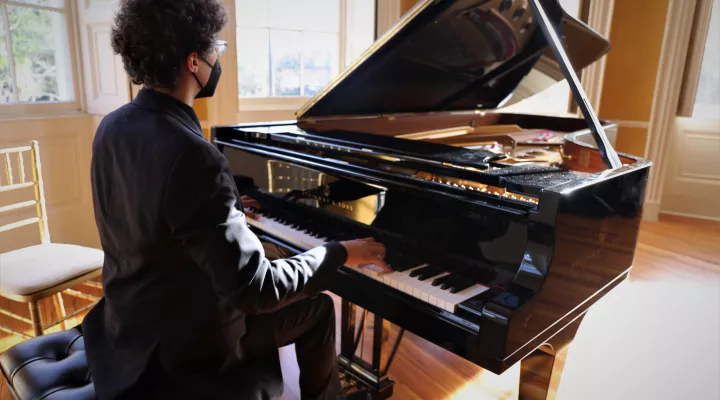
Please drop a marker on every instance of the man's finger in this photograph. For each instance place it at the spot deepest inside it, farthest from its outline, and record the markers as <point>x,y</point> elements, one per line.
<point>385,267</point>
<point>252,204</point>
<point>378,249</point>
<point>251,215</point>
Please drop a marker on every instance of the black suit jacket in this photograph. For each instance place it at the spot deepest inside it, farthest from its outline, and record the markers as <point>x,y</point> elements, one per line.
<point>182,270</point>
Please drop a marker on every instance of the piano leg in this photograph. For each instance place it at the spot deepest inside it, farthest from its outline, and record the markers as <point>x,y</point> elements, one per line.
<point>347,329</point>
<point>371,375</point>
<point>536,370</point>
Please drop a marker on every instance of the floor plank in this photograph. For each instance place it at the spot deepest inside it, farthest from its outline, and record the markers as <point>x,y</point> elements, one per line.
<point>654,337</point>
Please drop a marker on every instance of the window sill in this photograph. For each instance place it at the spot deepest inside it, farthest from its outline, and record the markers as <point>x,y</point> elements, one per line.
<point>42,116</point>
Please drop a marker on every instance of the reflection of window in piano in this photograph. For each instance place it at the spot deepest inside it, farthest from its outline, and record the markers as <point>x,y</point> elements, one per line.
<point>288,50</point>
<point>323,191</point>
<point>555,99</point>
<point>284,177</point>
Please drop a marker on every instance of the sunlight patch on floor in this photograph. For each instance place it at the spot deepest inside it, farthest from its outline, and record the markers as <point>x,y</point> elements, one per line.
<point>488,386</point>
<point>642,342</point>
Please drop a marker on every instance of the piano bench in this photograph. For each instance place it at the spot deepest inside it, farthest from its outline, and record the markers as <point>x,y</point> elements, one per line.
<point>49,367</point>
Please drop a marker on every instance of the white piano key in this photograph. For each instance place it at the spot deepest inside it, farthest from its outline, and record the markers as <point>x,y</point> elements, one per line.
<point>429,288</point>
<point>423,287</point>
<point>402,281</point>
<point>453,299</point>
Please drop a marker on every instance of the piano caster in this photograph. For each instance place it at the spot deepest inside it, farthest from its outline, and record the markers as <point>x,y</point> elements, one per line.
<point>536,370</point>
<point>373,375</point>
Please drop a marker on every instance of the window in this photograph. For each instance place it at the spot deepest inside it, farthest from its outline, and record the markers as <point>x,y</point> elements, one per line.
<point>35,53</point>
<point>707,98</point>
<point>292,49</point>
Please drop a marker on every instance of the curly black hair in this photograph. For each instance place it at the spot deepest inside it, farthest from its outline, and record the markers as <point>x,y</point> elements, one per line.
<point>154,37</point>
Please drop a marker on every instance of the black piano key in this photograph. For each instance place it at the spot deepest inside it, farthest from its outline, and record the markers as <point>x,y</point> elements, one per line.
<point>400,263</point>
<point>431,272</point>
<point>443,281</point>
<point>419,271</point>
<point>452,281</point>
<point>400,267</point>
<point>461,283</point>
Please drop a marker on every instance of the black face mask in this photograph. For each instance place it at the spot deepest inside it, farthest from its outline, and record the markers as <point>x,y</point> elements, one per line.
<point>209,89</point>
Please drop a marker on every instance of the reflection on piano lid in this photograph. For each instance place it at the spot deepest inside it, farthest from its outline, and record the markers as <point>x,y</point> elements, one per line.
<point>502,229</point>
<point>456,56</point>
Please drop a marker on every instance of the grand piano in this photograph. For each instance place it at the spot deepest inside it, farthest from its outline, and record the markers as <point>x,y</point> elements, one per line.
<point>502,229</point>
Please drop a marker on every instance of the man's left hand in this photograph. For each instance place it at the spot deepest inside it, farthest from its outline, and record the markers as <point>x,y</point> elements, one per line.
<point>248,202</point>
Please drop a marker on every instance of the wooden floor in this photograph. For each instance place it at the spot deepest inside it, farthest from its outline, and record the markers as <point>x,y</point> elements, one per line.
<point>655,337</point>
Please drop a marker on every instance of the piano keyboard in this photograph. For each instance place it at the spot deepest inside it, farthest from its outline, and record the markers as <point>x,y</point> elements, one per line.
<point>429,284</point>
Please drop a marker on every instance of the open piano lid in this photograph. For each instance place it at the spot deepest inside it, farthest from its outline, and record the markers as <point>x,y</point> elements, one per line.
<point>450,55</point>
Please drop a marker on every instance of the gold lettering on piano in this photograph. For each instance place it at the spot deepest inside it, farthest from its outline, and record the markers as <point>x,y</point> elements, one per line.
<point>324,200</point>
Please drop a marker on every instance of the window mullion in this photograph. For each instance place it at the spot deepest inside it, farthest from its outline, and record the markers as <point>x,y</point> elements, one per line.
<point>302,64</point>
<point>5,20</point>
<point>343,41</point>
<point>271,84</point>
<point>33,6</point>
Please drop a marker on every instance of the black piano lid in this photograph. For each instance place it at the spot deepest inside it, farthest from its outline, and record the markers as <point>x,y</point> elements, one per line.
<point>456,55</point>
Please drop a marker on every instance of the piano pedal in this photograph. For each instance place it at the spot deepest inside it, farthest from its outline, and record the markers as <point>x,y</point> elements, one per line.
<point>352,389</point>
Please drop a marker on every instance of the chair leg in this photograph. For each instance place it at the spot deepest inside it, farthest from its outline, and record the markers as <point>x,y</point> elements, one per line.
<point>35,317</point>
<point>60,309</point>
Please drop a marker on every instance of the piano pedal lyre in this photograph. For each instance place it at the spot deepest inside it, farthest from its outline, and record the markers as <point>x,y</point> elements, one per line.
<point>370,375</point>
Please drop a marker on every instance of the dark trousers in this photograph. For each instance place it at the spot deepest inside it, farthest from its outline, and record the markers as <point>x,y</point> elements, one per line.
<point>309,324</point>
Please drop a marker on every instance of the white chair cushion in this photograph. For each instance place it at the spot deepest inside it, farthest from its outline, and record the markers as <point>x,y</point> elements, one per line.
<point>35,268</point>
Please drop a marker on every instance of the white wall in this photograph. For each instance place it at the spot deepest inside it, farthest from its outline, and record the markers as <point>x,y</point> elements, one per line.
<point>65,151</point>
<point>66,141</point>
<point>692,179</point>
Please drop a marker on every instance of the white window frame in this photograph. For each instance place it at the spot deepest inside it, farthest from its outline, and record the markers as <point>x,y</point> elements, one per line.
<point>292,103</point>
<point>30,109</point>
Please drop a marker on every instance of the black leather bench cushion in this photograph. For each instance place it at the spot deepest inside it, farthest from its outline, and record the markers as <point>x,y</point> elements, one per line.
<point>49,367</point>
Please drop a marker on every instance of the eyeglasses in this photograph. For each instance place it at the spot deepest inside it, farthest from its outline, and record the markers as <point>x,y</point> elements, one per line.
<point>220,47</point>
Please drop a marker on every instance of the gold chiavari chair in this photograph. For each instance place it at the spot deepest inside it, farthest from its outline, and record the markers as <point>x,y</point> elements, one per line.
<point>34,273</point>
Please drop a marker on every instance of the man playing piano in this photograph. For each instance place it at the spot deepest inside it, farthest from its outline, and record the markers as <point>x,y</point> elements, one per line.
<point>193,308</point>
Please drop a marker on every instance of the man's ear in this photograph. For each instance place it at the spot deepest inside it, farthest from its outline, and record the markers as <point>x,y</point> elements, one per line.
<point>192,62</point>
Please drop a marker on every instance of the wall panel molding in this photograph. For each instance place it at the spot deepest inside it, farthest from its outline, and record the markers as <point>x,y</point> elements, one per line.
<point>692,180</point>
<point>65,144</point>
<point>666,97</point>
<point>107,86</point>
<point>633,124</point>
<point>600,19</point>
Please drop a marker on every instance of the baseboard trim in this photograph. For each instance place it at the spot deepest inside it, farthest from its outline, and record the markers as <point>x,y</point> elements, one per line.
<point>689,215</point>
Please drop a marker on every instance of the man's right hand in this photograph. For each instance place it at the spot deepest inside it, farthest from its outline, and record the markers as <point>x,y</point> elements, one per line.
<point>366,251</point>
